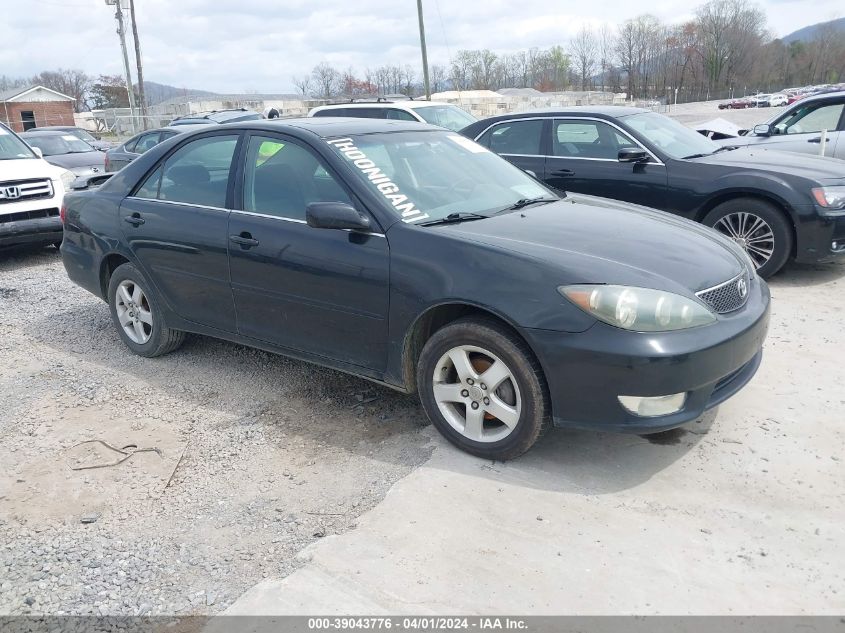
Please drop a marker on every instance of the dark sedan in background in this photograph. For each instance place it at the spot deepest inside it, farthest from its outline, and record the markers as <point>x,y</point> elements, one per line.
<point>775,205</point>
<point>410,255</point>
<point>66,150</point>
<point>78,132</point>
<point>119,157</point>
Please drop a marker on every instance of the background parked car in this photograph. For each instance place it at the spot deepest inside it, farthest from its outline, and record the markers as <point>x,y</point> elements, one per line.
<point>740,103</point>
<point>798,129</point>
<point>31,194</point>
<point>68,151</point>
<point>774,204</point>
<point>119,157</point>
<point>217,116</point>
<point>444,115</point>
<point>78,132</point>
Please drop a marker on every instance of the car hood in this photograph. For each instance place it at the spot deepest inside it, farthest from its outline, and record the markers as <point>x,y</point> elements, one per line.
<point>84,162</point>
<point>26,168</point>
<point>777,161</point>
<point>596,240</point>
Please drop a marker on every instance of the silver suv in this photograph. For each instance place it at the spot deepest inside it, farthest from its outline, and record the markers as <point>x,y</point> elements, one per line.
<point>443,114</point>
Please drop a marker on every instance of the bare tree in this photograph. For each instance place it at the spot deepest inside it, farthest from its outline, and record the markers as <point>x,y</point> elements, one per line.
<point>302,84</point>
<point>437,78</point>
<point>73,83</point>
<point>584,49</point>
<point>327,80</point>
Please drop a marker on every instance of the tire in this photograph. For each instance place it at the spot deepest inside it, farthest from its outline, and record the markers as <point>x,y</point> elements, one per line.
<point>759,227</point>
<point>521,397</point>
<point>133,305</point>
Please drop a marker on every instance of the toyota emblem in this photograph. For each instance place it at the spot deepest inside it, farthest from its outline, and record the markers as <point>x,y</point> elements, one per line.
<point>742,288</point>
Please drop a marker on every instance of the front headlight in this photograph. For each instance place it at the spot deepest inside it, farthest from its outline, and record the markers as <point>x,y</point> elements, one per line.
<point>67,179</point>
<point>832,198</point>
<point>638,309</point>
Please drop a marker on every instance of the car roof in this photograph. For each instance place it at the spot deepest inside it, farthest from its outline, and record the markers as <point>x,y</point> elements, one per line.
<point>55,128</point>
<point>43,132</point>
<point>602,112</point>
<point>383,104</point>
<point>327,127</point>
<point>822,96</point>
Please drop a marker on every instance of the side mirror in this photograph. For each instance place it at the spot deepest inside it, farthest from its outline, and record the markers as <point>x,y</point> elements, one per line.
<point>38,152</point>
<point>763,129</point>
<point>530,173</point>
<point>335,215</point>
<point>632,155</point>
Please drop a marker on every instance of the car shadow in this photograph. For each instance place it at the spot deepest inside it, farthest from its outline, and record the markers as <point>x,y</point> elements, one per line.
<point>26,256</point>
<point>794,274</point>
<point>584,462</point>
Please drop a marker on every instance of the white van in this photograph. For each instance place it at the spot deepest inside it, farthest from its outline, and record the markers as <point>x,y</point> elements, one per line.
<point>31,194</point>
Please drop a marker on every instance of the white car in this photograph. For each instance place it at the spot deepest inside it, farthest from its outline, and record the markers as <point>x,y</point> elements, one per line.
<point>31,194</point>
<point>445,115</point>
<point>778,99</point>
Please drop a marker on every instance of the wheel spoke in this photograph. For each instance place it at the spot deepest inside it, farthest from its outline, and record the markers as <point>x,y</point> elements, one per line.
<point>123,316</point>
<point>495,375</point>
<point>139,332</point>
<point>460,359</point>
<point>125,297</point>
<point>447,392</point>
<point>137,295</point>
<point>145,316</point>
<point>503,412</point>
<point>763,252</point>
<point>474,427</point>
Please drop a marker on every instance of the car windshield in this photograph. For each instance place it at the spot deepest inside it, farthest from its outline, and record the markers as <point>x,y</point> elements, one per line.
<point>84,136</point>
<point>448,116</point>
<point>425,176</point>
<point>669,136</point>
<point>11,147</point>
<point>55,145</point>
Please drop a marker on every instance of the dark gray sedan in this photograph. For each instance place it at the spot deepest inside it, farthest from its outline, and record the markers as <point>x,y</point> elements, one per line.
<point>119,157</point>
<point>78,132</point>
<point>68,151</point>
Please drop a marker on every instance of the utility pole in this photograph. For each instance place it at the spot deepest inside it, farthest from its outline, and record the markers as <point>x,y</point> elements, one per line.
<point>141,96</point>
<point>121,31</point>
<point>424,53</point>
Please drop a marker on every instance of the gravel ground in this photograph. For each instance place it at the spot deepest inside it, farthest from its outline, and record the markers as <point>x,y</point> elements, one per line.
<point>258,456</point>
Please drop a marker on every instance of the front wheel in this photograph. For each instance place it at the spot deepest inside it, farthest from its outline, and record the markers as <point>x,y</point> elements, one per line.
<point>483,389</point>
<point>757,226</point>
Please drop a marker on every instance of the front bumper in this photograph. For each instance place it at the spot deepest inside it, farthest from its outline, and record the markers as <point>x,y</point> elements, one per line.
<point>46,230</point>
<point>816,234</point>
<point>587,371</point>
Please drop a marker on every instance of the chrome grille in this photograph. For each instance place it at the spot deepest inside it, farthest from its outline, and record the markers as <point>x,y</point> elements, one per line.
<point>24,190</point>
<point>728,296</point>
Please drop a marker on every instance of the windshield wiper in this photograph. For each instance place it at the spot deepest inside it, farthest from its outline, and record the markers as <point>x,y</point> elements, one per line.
<point>524,202</point>
<point>724,148</point>
<point>461,216</point>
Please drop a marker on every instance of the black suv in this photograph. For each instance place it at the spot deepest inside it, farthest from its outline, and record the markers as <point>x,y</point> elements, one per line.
<point>217,116</point>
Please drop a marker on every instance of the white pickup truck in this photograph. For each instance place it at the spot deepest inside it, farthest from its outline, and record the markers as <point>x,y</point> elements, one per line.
<point>31,194</point>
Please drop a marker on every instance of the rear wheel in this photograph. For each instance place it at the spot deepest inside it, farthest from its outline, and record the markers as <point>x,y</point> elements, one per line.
<point>483,389</point>
<point>757,226</point>
<point>137,317</point>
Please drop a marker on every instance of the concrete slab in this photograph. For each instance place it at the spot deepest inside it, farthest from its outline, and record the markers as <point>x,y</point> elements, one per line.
<point>739,513</point>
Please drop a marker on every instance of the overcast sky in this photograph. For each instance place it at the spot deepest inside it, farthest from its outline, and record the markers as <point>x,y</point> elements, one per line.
<point>256,45</point>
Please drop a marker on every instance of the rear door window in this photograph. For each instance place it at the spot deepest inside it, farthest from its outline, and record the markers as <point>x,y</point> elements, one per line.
<point>514,137</point>
<point>197,173</point>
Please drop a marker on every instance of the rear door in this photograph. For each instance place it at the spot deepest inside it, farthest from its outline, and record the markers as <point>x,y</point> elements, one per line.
<point>176,223</point>
<point>319,291</point>
<point>520,141</point>
<point>584,159</point>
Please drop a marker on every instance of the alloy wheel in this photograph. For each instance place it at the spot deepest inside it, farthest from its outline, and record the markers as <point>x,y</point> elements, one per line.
<point>477,394</point>
<point>751,232</point>
<point>133,311</point>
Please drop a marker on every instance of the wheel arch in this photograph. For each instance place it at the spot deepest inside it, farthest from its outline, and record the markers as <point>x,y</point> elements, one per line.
<point>435,318</point>
<point>108,265</point>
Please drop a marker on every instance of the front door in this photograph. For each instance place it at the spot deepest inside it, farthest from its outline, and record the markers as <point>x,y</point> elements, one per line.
<point>319,291</point>
<point>520,141</point>
<point>800,130</point>
<point>583,158</point>
<point>176,223</point>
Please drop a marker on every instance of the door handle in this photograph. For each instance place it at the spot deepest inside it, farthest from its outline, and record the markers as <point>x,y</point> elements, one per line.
<point>244,239</point>
<point>135,219</point>
<point>563,172</point>
<point>815,140</point>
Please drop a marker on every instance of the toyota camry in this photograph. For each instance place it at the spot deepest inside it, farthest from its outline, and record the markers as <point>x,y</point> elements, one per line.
<point>411,256</point>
